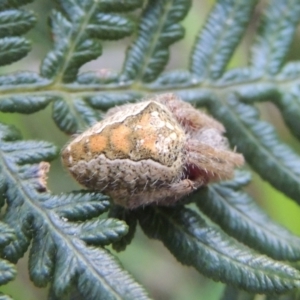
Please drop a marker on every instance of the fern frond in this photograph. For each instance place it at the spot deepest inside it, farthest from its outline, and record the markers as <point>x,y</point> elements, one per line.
<point>238,215</point>
<point>7,271</point>
<point>78,206</point>
<point>71,118</point>
<point>214,254</point>
<point>260,145</point>
<point>13,3</point>
<point>106,100</point>
<point>77,34</point>
<point>7,234</point>
<point>120,6</point>
<point>175,79</point>
<point>59,246</point>
<point>289,106</point>
<point>159,28</point>
<point>13,23</point>
<point>131,221</point>
<point>13,49</point>
<point>274,38</point>
<point>67,235</point>
<point>16,22</point>
<point>220,36</point>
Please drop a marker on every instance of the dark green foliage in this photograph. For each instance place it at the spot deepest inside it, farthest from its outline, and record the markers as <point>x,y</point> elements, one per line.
<point>21,79</point>
<point>214,254</point>
<point>13,49</point>
<point>59,244</point>
<point>274,38</point>
<point>109,26</point>
<point>24,104</point>
<point>7,271</point>
<point>130,219</point>
<point>5,4</point>
<point>240,244</point>
<point>14,22</point>
<point>77,37</point>
<point>149,53</point>
<point>70,118</point>
<point>289,106</point>
<point>120,6</point>
<point>215,44</point>
<point>238,215</point>
<point>260,143</point>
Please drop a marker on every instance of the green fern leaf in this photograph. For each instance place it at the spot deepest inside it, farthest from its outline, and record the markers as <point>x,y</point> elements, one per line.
<point>58,250</point>
<point>290,71</point>
<point>110,26</point>
<point>4,4</point>
<point>64,116</point>
<point>74,116</point>
<point>74,36</point>
<point>66,234</point>
<point>26,104</point>
<point>159,28</point>
<point>120,6</point>
<point>214,254</point>
<point>98,79</point>
<point>78,206</point>
<point>13,49</point>
<point>89,115</point>
<point>41,256</point>
<point>7,234</point>
<point>21,79</point>
<point>105,101</point>
<point>274,39</point>
<point>220,36</point>
<point>238,215</point>
<point>289,106</point>
<point>10,158</point>
<point>106,278</point>
<point>18,102</point>
<point>7,271</point>
<point>16,22</point>
<point>101,232</point>
<point>131,221</point>
<point>241,179</point>
<point>260,146</point>
<point>174,79</point>
<point>63,62</point>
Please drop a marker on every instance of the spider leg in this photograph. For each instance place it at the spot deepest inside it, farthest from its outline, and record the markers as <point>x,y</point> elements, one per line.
<point>116,109</point>
<point>190,118</point>
<point>210,162</point>
<point>164,195</point>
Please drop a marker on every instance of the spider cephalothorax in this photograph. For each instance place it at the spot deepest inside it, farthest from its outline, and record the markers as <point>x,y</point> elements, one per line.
<point>154,151</point>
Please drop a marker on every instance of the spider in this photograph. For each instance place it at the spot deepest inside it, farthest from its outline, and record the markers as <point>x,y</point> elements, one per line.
<point>152,152</point>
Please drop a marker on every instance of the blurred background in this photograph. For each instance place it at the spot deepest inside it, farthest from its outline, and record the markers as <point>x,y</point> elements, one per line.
<point>149,262</point>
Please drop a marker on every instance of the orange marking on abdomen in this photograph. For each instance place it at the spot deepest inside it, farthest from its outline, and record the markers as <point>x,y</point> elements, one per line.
<point>98,143</point>
<point>120,139</point>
